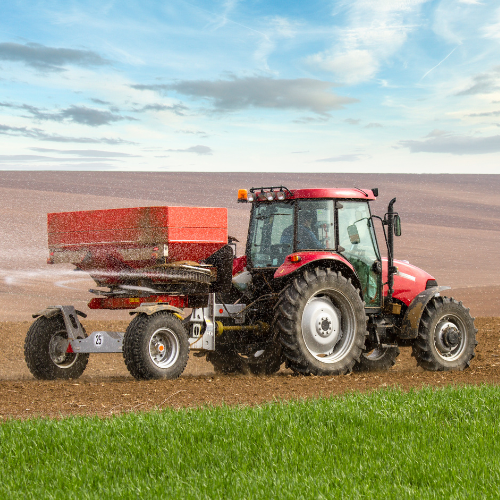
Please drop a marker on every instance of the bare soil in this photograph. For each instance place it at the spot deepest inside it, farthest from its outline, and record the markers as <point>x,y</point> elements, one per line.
<point>106,388</point>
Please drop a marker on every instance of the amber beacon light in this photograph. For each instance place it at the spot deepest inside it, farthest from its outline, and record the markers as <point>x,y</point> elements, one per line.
<point>242,195</point>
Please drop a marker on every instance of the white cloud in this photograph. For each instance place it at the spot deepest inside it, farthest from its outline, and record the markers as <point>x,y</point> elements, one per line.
<point>375,30</point>
<point>493,30</point>
<point>353,66</point>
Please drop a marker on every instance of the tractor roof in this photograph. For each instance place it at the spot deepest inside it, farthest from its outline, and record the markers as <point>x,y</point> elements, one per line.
<point>363,194</point>
<point>280,193</point>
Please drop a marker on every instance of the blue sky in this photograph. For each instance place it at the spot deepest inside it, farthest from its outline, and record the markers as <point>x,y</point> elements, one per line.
<point>408,86</point>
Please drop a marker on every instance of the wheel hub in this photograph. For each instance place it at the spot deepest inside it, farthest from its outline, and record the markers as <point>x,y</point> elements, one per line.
<point>448,337</point>
<point>324,326</point>
<point>321,326</point>
<point>58,347</point>
<point>164,348</point>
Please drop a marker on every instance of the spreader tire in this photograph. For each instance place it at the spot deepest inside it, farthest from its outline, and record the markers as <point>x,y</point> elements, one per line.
<point>226,360</point>
<point>155,346</point>
<point>379,359</point>
<point>446,336</point>
<point>45,351</point>
<point>321,323</point>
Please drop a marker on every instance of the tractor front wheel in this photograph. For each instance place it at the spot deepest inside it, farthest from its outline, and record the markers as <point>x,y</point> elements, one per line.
<point>155,346</point>
<point>45,351</point>
<point>446,337</point>
<point>321,322</point>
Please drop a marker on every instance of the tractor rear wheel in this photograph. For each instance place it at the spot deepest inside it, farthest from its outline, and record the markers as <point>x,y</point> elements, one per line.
<point>446,337</point>
<point>45,351</point>
<point>262,360</point>
<point>155,346</point>
<point>321,321</point>
<point>378,359</point>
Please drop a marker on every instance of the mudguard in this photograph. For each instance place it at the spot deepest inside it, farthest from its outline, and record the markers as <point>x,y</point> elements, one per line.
<point>150,309</point>
<point>411,320</point>
<point>51,311</point>
<point>306,258</point>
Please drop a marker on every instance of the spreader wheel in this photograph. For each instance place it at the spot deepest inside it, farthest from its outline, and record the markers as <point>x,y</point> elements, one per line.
<point>258,360</point>
<point>446,337</point>
<point>45,351</point>
<point>321,321</point>
<point>155,346</point>
<point>378,359</point>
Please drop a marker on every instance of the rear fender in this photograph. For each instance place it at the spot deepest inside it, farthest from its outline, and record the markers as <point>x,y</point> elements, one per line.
<point>51,311</point>
<point>313,259</point>
<point>411,319</point>
<point>150,309</point>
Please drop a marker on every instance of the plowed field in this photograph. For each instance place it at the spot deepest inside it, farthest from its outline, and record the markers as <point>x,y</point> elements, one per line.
<point>106,388</point>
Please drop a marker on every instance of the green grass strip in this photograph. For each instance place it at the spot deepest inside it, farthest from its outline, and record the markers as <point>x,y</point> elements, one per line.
<point>387,444</point>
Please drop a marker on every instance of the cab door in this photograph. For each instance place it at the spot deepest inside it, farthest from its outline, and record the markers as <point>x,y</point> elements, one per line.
<point>358,244</point>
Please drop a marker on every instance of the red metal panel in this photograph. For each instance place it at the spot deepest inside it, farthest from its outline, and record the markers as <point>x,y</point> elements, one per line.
<point>197,217</point>
<point>305,258</point>
<point>179,301</point>
<point>192,233</point>
<point>333,193</point>
<point>409,281</point>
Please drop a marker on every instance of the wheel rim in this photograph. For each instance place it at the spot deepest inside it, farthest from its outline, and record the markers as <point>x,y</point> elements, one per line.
<point>58,346</point>
<point>328,325</point>
<point>450,337</point>
<point>164,348</point>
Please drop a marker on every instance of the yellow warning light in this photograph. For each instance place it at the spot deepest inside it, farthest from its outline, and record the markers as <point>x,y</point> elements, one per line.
<point>242,195</point>
<point>295,258</point>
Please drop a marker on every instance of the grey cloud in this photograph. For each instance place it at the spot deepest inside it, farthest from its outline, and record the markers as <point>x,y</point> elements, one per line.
<point>487,113</point>
<point>100,101</point>
<point>352,121</point>
<point>178,109</point>
<point>78,114</point>
<point>92,117</point>
<point>437,133</point>
<point>40,158</point>
<point>156,88</point>
<point>93,153</point>
<point>199,150</point>
<point>374,125</point>
<point>40,135</point>
<point>351,157</point>
<point>49,58</point>
<point>454,144</point>
<point>259,92</point>
<point>484,83</point>
<point>194,132</point>
<point>313,119</point>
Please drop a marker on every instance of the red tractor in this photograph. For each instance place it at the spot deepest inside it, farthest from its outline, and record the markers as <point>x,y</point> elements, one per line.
<point>312,291</point>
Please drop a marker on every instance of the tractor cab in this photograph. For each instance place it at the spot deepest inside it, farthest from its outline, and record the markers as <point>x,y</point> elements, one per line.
<point>336,221</point>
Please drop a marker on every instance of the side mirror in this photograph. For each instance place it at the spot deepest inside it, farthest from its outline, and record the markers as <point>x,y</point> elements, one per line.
<point>397,225</point>
<point>352,231</point>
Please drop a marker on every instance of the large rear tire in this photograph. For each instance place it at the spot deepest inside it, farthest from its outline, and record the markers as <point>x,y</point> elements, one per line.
<point>156,346</point>
<point>259,361</point>
<point>45,349</point>
<point>321,323</point>
<point>378,359</point>
<point>446,336</point>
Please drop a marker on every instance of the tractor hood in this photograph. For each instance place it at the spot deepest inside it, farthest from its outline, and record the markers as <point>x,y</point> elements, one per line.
<point>409,281</point>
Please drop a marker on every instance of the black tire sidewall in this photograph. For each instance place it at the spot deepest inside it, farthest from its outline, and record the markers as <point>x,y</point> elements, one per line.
<point>37,355</point>
<point>456,309</point>
<point>136,346</point>
<point>313,283</point>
